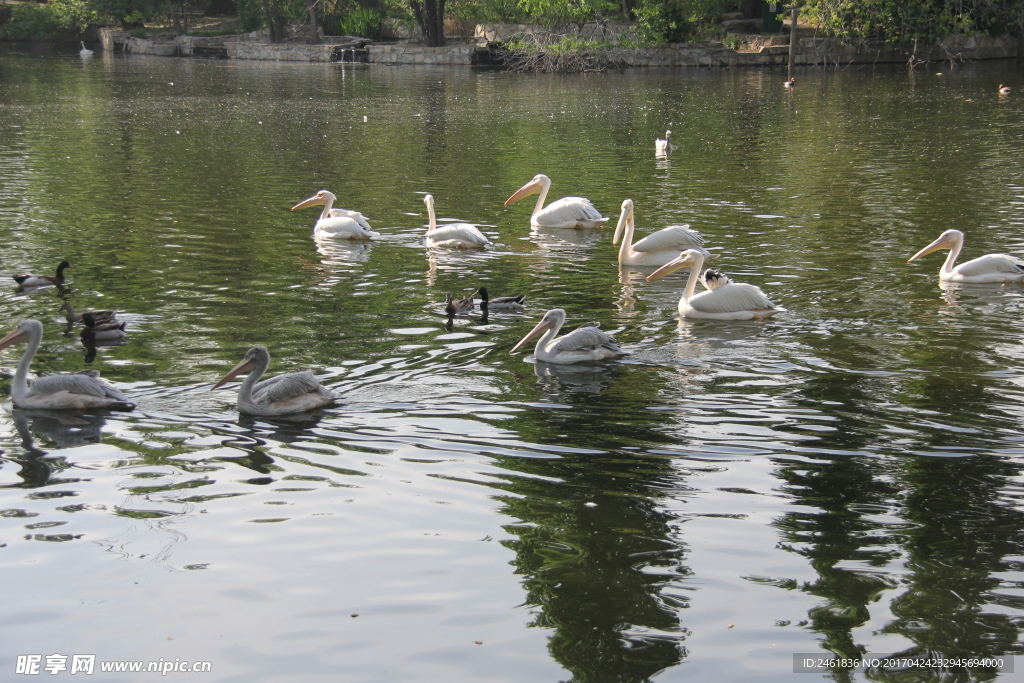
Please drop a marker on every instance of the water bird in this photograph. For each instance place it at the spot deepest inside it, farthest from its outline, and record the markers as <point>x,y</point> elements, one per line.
<point>99,316</point>
<point>454,306</point>
<point>724,300</point>
<point>101,331</point>
<point>500,303</point>
<point>1004,89</point>
<point>84,52</point>
<point>43,280</point>
<point>790,83</point>
<point>990,268</point>
<point>567,212</point>
<point>341,223</point>
<point>461,235</point>
<point>663,146</point>
<point>586,343</point>
<point>292,392</point>
<point>657,248</point>
<point>75,391</point>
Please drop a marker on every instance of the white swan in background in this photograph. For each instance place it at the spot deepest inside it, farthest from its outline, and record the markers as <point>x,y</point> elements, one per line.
<point>340,223</point>
<point>663,147</point>
<point>585,343</point>
<point>462,235</point>
<point>657,248</point>
<point>990,268</point>
<point>724,300</point>
<point>84,52</point>
<point>292,392</point>
<point>75,391</point>
<point>567,212</point>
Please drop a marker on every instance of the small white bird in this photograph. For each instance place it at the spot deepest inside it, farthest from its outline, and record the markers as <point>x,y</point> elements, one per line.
<point>74,391</point>
<point>461,235</point>
<point>567,212</point>
<point>84,52</point>
<point>724,300</point>
<point>663,147</point>
<point>990,268</point>
<point>1004,89</point>
<point>340,223</point>
<point>657,248</point>
<point>292,392</point>
<point>585,343</point>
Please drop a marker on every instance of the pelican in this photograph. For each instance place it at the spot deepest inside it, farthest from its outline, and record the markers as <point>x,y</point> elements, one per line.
<point>96,330</point>
<point>342,223</point>
<point>43,280</point>
<point>663,146</point>
<point>84,52</point>
<point>567,212</point>
<point>453,306</point>
<point>462,235</point>
<point>724,300</point>
<point>76,391</point>
<point>500,303</point>
<point>98,316</point>
<point>1004,89</point>
<point>293,392</point>
<point>586,342</point>
<point>999,268</point>
<point>656,249</point>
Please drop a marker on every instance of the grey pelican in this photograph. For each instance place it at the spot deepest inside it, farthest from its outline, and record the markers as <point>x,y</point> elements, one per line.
<point>75,391</point>
<point>585,343</point>
<point>292,392</point>
<point>340,223</point>
<point>724,300</point>
<point>990,268</point>
<point>567,212</point>
<point>657,248</point>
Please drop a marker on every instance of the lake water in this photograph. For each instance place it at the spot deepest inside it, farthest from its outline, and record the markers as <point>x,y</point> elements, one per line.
<point>847,477</point>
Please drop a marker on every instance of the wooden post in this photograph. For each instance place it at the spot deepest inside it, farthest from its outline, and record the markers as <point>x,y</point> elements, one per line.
<point>792,38</point>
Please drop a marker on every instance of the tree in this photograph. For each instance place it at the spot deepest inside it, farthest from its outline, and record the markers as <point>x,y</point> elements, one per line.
<point>429,16</point>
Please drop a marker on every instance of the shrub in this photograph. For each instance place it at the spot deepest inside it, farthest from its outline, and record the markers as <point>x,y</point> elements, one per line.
<point>32,22</point>
<point>366,23</point>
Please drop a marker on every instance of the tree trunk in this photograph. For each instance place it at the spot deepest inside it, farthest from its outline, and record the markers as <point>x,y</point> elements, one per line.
<point>174,17</point>
<point>274,21</point>
<point>429,15</point>
<point>314,31</point>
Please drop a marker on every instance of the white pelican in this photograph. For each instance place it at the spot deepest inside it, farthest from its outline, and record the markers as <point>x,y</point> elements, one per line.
<point>1004,89</point>
<point>462,235</point>
<point>724,300</point>
<point>663,146</point>
<point>76,391</point>
<point>984,269</point>
<point>567,212</point>
<point>84,52</point>
<point>500,303</point>
<point>105,331</point>
<point>350,225</point>
<point>43,280</point>
<point>586,342</point>
<point>98,316</point>
<point>292,392</point>
<point>656,249</point>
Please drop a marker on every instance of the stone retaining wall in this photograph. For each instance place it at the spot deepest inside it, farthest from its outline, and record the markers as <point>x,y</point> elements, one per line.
<point>808,51</point>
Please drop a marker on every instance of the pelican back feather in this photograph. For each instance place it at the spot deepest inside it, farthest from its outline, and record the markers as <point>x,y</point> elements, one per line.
<point>674,238</point>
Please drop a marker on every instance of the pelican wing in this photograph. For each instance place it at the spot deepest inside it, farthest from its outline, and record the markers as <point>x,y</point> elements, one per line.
<point>354,215</point>
<point>672,238</point>
<point>286,386</point>
<point>344,226</point>
<point>732,297</point>
<point>584,337</point>
<point>86,382</point>
<point>568,210</point>
<point>458,232</point>
<point>991,263</point>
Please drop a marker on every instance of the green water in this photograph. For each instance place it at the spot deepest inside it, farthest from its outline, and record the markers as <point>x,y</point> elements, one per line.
<point>843,478</point>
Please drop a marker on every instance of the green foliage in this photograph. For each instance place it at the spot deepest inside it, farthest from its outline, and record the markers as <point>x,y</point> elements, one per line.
<point>127,13</point>
<point>676,21</point>
<point>61,19</point>
<point>366,23</point>
<point>561,12</point>
<point>486,11</point>
<point>250,15</point>
<point>906,21</point>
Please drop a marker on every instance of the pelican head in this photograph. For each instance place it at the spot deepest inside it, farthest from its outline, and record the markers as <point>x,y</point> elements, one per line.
<point>947,240</point>
<point>540,183</point>
<point>624,218</point>
<point>688,258</point>
<point>320,198</point>
<point>428,199</point>
<point>256,357</point>
<point>553,319</point>
<point>22,333</point>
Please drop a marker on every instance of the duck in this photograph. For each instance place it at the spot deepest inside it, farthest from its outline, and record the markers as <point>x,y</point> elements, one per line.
<point>790,83</point>
<point>72,391</point>
<point>1004,89</point>
<point>97,331</point>
<point>98,316</point>
<point>454,306</point>
<point>43,280</point>
<point>292,392</point>
<point>500,303</point>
